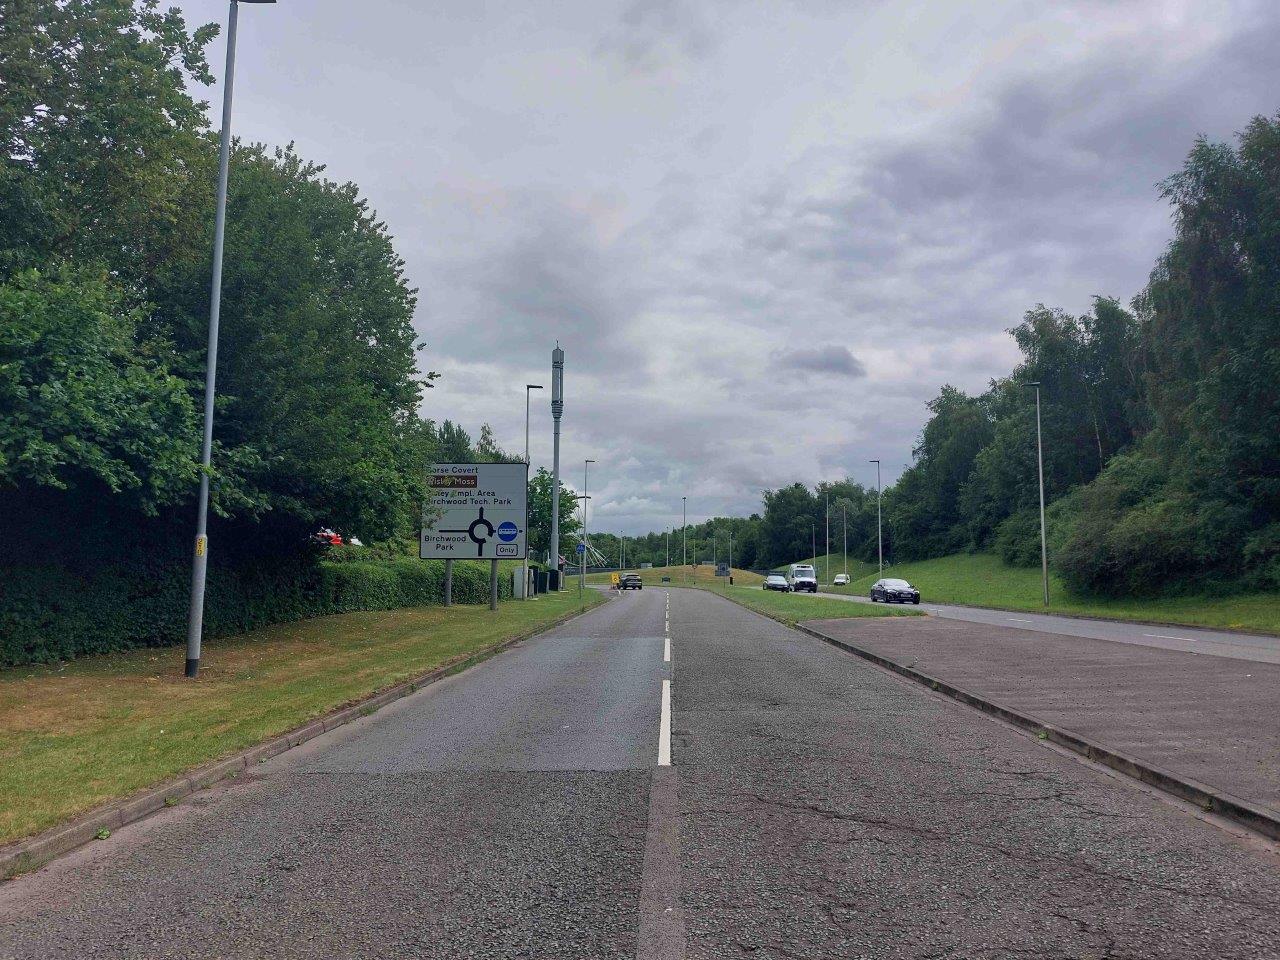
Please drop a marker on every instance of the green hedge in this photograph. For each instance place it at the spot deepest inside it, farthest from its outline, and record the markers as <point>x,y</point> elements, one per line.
<point>51,612</point>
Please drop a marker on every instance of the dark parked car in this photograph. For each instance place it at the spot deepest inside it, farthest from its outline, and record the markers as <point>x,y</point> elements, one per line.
<point>894,591</point>
<point>631,581</point>
<point>776,581</point>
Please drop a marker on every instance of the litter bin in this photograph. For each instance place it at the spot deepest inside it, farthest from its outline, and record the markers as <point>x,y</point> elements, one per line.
<point>540,578</point>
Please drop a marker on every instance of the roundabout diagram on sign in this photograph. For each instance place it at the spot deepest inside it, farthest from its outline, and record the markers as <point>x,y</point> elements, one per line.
<point>479,523</point>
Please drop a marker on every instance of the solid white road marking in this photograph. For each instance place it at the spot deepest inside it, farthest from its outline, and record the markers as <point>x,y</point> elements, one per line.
<point>1016,620</point>
<point>664,727</point>
<point>666,650</point>
<point>1165,636</point>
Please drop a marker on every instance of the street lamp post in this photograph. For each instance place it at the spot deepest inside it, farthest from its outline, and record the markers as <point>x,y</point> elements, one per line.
<point>1044,545</point>
<point>879,525</point>
<point>826,542</point>
<point>582,566</point>
<point>200,562</point>
<point>527,388</point>
<point>844,518</point>
<point>557,411</point>
<point>684,536</point>
<point>668,548</point>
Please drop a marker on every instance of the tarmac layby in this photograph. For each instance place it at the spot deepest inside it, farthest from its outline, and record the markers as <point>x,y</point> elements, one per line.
<point>670,775</point>
<point>1257,647</point>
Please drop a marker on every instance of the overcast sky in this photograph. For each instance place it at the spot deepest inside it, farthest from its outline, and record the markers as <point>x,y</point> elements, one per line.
<point>765,233</point>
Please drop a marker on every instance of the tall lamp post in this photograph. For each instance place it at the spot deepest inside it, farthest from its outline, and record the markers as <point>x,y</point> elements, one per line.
<point>879,525</point>
<point>826,543</point>
<point>557,411</point>
<point>844,518</point>
<point>200,562</point>
<point>527,388</point>
<point>582,568</point>
<point>684,536</point>
<point>1044,545</point>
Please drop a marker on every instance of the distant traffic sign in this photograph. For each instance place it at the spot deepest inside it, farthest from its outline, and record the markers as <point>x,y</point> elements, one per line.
<point>582,548</point>
<point>475,511</point>
<point>722,569</point>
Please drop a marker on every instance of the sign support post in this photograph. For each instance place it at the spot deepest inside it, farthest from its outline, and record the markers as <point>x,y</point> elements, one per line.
<point>493,584</point>
<point>448,583</point>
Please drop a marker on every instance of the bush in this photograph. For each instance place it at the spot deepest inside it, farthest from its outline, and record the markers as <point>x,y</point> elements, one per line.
<point>1136,531</point>
<point>95,583</point>
<point>1017,540</point>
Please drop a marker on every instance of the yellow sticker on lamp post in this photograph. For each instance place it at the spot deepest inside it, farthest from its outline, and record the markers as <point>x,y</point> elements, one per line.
<point>202,544</point>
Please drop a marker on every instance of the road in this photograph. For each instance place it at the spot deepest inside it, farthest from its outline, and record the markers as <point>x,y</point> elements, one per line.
<point>1219,643</point>
<point>814,806</point>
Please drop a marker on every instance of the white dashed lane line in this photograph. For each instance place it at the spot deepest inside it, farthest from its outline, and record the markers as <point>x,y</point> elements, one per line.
<point>664,727</point>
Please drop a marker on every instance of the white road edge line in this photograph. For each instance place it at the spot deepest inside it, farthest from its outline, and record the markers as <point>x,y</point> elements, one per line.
<point>1165,636</point>
<point>666,650</point>
<point>664,727</point>
<point>1016,620</point>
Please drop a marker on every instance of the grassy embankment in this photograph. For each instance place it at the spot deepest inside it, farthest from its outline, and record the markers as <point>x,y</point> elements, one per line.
<point>785,607</point>
<point>96,729</point>
<point>703,576</point>
<point>793,608</point>
<point>984,580</point>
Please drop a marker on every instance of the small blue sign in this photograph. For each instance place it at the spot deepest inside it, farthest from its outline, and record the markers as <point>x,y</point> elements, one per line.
<point>507,531</point>
<point>582,548</point>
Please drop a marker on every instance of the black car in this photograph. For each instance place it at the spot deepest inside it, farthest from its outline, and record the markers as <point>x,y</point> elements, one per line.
<point>894,591</point>
<point>631,581</point>
<point>776,581</point>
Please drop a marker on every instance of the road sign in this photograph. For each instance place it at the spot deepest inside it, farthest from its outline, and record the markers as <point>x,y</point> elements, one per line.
<point>722,569</point>
<point>582,548</point>
<point>476,511</point>
<point>615,579</point>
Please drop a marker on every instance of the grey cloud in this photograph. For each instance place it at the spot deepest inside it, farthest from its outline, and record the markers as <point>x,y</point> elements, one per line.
<point>833,360</point>
<point>750,235</point>
<point>651,35</point>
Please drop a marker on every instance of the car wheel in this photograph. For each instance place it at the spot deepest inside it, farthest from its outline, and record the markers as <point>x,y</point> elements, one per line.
<point>916,601</point>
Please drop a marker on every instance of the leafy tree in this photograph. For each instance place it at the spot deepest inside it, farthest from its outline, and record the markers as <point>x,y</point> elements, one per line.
<point>540,485</point>
<point>105,153</point>
<point>83,399</point>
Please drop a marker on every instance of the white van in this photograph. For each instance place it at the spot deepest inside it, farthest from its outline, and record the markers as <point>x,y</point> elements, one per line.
<point>802,576</point>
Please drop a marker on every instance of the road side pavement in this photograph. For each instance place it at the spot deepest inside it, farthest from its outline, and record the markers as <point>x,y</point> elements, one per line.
<point>498,813</point>
<point>1213,719</point>
<point>1257,647</point>
<point>832,810</point>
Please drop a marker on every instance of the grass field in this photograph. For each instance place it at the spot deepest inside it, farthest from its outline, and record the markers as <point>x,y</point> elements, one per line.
<point>828,566</point>
<point>96,729</point>
<point>983,580</point>
<point>704,575</point>
<point>793,608</point>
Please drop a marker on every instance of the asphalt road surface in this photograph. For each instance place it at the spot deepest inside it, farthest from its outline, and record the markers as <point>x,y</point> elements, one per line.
<point>814,807</point>
<point>1259,648</point>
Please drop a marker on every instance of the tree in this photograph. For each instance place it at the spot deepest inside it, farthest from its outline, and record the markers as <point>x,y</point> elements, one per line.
<point>540,515</point>
<point>105,154</point>
<point>85,401</point>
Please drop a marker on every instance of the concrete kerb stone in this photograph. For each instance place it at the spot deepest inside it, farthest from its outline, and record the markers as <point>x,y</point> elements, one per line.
<point>1208,798</point>
<point>25,855</point>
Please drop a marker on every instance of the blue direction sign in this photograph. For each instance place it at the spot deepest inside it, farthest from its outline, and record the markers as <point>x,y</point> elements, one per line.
<point>582,548</point>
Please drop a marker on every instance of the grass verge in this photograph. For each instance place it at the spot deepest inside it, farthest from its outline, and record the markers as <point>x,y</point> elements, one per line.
<point>984,580</point>
<point>702,576</point>
<point>793,608</point>
<point>84,733</point>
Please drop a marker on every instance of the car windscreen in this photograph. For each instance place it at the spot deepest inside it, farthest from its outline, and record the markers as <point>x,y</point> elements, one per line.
<point>898,584</point>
